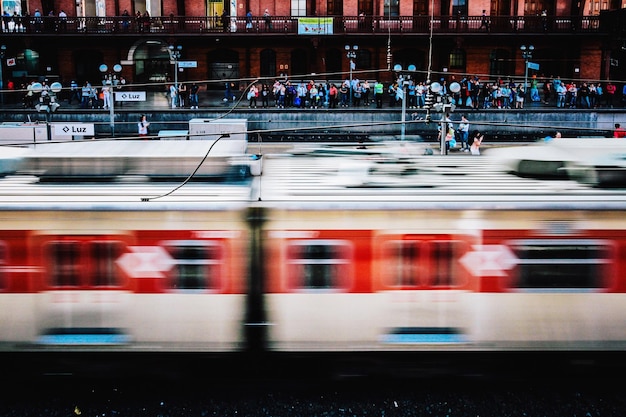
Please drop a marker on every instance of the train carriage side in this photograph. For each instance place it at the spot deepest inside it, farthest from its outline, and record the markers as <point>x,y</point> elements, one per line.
<point>368,279</point>
<point>556,280</point>
<point>363,280</point>
<point>158,279</point>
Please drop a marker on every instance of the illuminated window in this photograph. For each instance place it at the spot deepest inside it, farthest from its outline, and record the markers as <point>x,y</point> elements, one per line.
<point>554,264</point>
<point>459,7</point>
<point>392,8</point>
<point>64,261</point>
<point>196,264</point>
<point>318,264</point>
<point>12,6</point>
<point>298,7</point>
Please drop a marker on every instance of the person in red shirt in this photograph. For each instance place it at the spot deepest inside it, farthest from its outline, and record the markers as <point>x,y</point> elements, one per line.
<point>619,131</point>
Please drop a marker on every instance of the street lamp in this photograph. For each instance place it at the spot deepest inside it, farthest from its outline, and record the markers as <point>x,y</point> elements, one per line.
<point>404,82</point>
<point>3,50</point>
<point>527,53</point>
<point>108,81</point>
<point>351,55</point>
<point>175,54</point>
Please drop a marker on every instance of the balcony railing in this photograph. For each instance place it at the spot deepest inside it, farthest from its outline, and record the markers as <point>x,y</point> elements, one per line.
<point>291,25</point>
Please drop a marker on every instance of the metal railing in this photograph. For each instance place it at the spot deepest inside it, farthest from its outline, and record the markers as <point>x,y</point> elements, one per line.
<point>290,24</point>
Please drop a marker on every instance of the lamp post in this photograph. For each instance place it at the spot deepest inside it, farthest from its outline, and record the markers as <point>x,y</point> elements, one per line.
<point>404,82</point>
<point>527,53</point>
<point>175,54</point>
<point>351,55</point>
<point>107,81</point>
<point>3,50</point>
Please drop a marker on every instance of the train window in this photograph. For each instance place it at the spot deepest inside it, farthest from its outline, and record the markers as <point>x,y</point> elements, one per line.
<point>402,263</point>
<point>196,264</point>
<point>423,263</point>
<point>444,257</point>
<point>64,263</point>
<point>3,263</point>
<point>318,264</point>
<point>563,264</point>
<point>103,255</point>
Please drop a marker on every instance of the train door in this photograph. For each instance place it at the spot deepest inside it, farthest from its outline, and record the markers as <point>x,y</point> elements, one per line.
<point>422,283</point>
<point>83,294</point>
<point>319,294</point>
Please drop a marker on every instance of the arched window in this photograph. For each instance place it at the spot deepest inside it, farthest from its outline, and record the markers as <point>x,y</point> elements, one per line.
<point>500,63</point>
<point>299,62</point>
<point>268,63</point>
<point>333,63</point>
<point>457,60</point>
<point>363,59</point>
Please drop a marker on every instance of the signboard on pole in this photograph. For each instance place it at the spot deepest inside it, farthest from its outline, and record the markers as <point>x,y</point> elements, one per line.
<point>187,64</point>
<point>74,129</point>
<point>533,66</point>
<point>130,96</point>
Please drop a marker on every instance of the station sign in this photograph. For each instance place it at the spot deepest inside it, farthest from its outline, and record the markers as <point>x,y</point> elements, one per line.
<point>130,96</point>
<point>187,64</point>
<point>533,66</point>
<point>74,129</point>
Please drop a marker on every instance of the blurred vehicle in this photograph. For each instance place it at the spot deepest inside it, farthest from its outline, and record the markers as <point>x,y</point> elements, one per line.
<point>321,253</point>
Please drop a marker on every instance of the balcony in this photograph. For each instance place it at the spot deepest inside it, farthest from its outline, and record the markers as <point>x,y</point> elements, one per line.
<point>120,25</point>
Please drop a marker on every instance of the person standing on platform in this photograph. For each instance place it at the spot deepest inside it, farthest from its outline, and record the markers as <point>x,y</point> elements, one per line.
<point>379,90</point>
<point>143,126</point>
<point>619,131</point>
<point>464,133</point>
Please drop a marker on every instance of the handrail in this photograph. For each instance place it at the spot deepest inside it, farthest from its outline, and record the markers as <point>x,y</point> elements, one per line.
<point>238,25</point>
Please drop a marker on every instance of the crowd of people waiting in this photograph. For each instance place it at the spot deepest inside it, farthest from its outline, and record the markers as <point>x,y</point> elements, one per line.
<point>473,93</point>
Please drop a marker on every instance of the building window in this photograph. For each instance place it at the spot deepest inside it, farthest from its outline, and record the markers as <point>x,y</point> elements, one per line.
<point>12,6</point>
<point>363,59</point>
<point>319,264</point>
<point>366,6</point>
<point>392,8</point>
<point>268,63</point>
<point>420,7</point>
<point>334,7</point>
<point>561,264</point>
<point>457,59</point>
<point>459,7</point>
<point>298,7</point>
<point>197,264</point>
<point>499,63</point>
<point>533,7</point>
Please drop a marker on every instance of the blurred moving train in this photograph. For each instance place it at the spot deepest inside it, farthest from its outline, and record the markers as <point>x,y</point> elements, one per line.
<point>326,252</point>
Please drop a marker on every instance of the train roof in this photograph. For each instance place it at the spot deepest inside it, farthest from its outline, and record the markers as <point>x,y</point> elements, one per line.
<point>380,176</point>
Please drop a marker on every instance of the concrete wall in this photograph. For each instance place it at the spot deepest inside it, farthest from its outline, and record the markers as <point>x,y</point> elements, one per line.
<point>523,125</point>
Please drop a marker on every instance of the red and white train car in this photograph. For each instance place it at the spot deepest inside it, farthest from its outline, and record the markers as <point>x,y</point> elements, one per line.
<point>318,254</point>
<point>406,258</point>
<point>93,266</point>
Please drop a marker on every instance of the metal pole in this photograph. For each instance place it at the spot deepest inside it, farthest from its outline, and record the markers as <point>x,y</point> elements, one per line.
<point>443,134</point>
<point>111,109</point>
<point>403,125</point>
<point>526,78</point>
<point>350,82</point>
